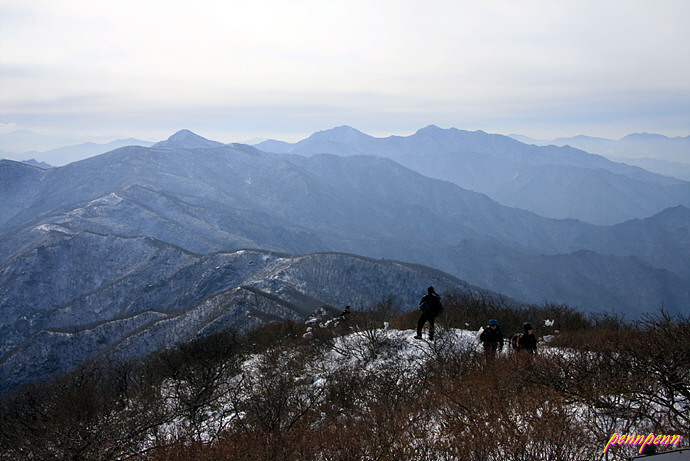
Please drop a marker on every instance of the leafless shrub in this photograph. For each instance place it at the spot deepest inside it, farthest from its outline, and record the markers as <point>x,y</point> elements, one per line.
<point>369,337</point>
<point>270,395</point>
<point>92,413</point>
<point>196,379</point>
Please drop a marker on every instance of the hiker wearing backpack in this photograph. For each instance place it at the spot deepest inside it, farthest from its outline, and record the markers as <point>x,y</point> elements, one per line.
<point>528,342</point>
<point>431,307</point>
<point>492,338</point>
<point>343,315</point>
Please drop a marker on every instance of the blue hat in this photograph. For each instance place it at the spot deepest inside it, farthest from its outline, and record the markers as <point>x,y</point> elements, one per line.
<point>493,322</point>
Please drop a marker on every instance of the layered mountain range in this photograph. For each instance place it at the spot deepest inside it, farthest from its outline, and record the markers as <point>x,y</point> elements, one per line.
<point>41,149</point>
<point>143,247</point>
<point>557,182</point>
<point>654,152</point>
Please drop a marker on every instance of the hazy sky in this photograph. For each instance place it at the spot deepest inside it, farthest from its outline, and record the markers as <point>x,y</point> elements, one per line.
<point>233,71</point>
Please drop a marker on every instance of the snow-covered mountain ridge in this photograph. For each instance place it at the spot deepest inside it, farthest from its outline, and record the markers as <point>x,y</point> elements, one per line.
<point>66,298</point>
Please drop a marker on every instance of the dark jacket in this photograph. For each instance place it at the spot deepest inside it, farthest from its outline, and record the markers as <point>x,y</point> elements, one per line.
<point>528,343</point>
<point>430,305</point>
<point>491,337</point>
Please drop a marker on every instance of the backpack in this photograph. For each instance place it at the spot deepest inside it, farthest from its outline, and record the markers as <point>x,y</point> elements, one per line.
<point>515,341</point>
<point>432,305</point>
<point>436,306</point>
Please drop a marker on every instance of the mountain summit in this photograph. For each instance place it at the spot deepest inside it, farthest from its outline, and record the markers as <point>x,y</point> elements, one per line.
<point>185,139</point>
<point>341,134</point>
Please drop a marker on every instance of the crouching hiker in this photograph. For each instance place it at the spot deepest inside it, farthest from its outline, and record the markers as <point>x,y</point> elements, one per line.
<point>528,342</point>
<point>431,307</point>
<point>343,315</point>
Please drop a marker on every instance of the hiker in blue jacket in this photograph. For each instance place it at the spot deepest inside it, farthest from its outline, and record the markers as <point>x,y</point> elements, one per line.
<point>492,338</point>
<point>431,307</point>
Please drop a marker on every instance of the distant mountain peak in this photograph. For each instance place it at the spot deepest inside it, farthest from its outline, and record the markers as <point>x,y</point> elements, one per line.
<point>430,130</point>
<point>340,133</point>
<point>34,162</point>
<point>184,134</point>
<point>644,136</point>
<point>186,139</point>
<point>435,130</point>
<point>344,129</point>
<point>337,138</point>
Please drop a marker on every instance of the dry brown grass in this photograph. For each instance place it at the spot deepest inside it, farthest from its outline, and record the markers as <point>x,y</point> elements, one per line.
<point>455,405</point>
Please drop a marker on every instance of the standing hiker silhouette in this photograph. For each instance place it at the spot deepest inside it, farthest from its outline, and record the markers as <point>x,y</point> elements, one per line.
<point>431,307</point>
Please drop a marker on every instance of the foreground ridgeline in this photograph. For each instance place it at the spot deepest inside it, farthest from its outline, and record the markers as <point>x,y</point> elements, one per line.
<point>358,387</point>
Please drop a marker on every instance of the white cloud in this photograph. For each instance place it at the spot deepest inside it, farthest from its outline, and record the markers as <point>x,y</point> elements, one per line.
<point>7,127</point>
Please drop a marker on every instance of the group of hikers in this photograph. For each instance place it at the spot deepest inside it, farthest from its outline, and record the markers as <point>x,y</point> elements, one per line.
<point>491,337</point>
